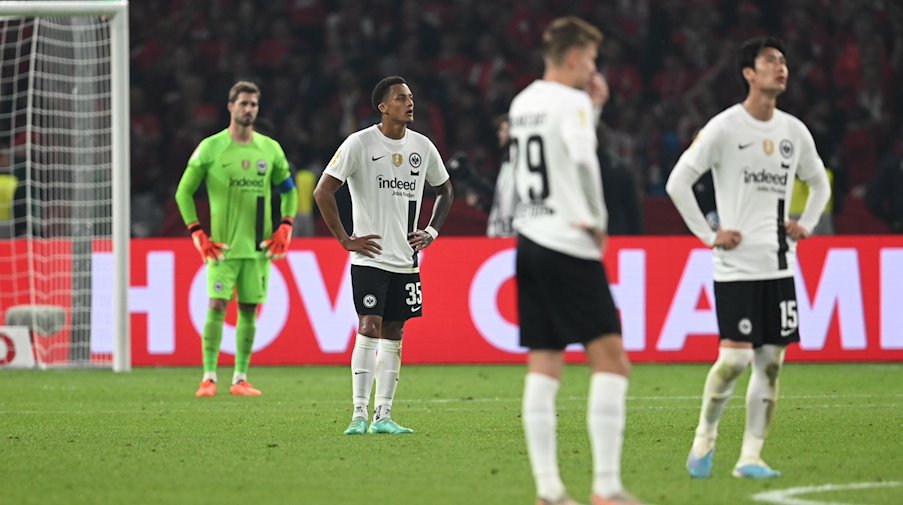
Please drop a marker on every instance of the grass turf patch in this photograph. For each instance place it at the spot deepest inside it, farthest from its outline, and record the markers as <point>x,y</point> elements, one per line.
<point>94,437</point>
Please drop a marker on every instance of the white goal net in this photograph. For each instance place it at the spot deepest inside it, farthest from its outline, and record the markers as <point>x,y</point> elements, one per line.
<point>63,161</point>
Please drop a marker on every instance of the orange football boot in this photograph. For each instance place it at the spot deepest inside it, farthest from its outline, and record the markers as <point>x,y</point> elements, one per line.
<point>207,389</point>
<point>244,388</point>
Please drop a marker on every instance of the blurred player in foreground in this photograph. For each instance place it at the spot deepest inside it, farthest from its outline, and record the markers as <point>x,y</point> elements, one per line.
<point>563,293</point>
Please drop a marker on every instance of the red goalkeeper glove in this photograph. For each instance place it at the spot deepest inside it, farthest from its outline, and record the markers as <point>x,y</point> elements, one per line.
<point>277,245</point>
<point>209,250</point>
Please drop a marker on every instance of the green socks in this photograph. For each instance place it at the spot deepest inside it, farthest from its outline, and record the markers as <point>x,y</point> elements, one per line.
<point>213,336</point>
<point>244,340</point>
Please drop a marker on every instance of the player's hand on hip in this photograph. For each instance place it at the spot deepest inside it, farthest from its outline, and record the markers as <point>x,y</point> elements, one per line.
<point>727,239</point>
<point>419,239</point>
<point>277,246</point>
<point>795,230</point>
<point>208,249</point>
<point>599,235</point>
<point>366,245</point>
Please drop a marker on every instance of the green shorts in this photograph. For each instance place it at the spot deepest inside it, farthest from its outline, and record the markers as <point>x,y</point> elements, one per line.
<point>249,276</point>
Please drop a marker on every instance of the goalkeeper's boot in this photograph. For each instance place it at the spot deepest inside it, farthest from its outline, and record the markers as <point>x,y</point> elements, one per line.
<point>207,389</point>
<point>700,467</point>
<point>622,498</point>
<point>358,426</point>
<point>244,388</point>
<point>387,426</point>
<point>756,469</point>
<point>564,500</point>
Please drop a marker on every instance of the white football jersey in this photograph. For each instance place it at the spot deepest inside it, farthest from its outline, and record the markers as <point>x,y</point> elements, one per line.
<point>559,184</point>
<point>754,164</point>
<point>386,178</point>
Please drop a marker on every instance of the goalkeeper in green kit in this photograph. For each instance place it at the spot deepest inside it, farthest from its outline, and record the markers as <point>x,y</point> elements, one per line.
<point>239,166</point>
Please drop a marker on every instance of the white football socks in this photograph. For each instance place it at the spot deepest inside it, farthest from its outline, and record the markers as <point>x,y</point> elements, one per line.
<point>388,363</point>
<point>363,366</point>
<point>719,387</point>
<point>761,399</point>
<point>540,430</point>
<point>605,422</point>
<point>238,377</point>
<point>209,376</point>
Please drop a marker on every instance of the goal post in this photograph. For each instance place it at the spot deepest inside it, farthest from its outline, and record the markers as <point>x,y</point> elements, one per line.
<point>64,179</point>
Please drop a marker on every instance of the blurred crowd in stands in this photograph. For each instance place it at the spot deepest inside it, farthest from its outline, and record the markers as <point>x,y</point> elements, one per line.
<point>669,64</point>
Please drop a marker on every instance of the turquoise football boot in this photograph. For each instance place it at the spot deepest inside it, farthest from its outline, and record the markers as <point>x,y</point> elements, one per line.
<point>700,468</point>
<point>386,426</point>
<point>358,426</point>
<point>755,470</point>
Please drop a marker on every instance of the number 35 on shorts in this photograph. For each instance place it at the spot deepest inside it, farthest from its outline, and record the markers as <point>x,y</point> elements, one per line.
<point>415,297</point>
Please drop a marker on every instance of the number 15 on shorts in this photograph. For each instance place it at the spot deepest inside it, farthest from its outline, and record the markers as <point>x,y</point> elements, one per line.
<point>789,320</point>
<point>415,297</point>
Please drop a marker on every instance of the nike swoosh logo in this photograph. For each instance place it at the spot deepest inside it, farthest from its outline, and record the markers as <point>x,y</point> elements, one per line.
<point>415,174</point>
<point>374,158</point>
<point>787,333</point>
<point>415,309</point>
<point>358,372</point>
<point>744,146</point>
<point>785,165</point>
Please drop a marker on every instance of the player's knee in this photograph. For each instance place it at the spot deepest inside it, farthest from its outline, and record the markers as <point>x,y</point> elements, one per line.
<point>772,370</point>
<point>769,360</point>
<point>618,364</point>
<point>220,305</point>
<point>732,362</point>
<point>248,308</point>
<point>392,330</point>
<point>370,328</point>
<point>371,331</point>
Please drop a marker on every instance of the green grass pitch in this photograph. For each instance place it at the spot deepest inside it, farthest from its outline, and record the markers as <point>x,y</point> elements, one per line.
<point>95,437</point>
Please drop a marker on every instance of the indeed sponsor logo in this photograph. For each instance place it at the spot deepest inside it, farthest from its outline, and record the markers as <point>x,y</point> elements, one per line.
<point>763,177</point>
<point>396,183</point>
<point>244,182</point>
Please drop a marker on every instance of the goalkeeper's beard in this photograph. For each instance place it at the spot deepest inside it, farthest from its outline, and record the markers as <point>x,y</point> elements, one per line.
<point>246,122</point>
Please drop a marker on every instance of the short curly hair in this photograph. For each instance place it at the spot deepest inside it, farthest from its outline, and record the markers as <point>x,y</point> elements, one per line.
<point>382,89</point>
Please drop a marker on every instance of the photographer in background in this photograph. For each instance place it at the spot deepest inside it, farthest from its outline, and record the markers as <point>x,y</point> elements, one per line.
<point>477,189</point>
<point>505,200</point>
<point>498,200</point>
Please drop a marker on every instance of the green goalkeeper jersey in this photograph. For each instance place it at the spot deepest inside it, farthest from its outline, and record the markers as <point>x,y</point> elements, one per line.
<point>239,179</point>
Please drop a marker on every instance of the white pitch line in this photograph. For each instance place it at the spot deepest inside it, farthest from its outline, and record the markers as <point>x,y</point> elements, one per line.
<point>786,496</point>
<point>415,405</point>
<point>424,404</point>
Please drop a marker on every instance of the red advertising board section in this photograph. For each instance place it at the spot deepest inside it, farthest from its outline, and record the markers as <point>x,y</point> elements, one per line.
<point>850,300</point>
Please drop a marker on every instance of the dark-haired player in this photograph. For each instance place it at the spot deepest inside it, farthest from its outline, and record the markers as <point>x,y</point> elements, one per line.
<point>386,167</point>
<point>755,151</point>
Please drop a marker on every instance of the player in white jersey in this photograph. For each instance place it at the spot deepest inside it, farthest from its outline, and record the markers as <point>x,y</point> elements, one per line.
<point>755,152</point>
<point>386,167</point>
<point>563,293</point>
